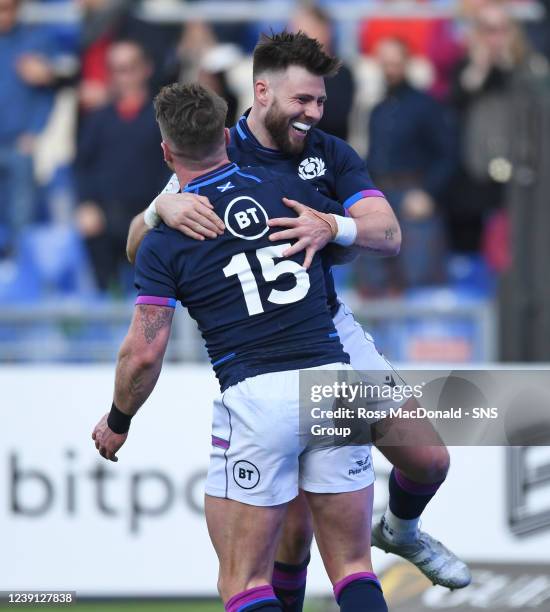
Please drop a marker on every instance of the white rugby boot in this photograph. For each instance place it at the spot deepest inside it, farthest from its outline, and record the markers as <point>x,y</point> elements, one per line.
<point>435,561</point>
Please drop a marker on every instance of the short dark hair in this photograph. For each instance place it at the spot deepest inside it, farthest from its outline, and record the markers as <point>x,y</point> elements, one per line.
<point>191,118</point>
<point>279,51</point>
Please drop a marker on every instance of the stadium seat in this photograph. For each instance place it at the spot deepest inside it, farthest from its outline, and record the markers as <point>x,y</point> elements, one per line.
<point>55,254</point>
<point>18,283</point>
<point>471,275</point>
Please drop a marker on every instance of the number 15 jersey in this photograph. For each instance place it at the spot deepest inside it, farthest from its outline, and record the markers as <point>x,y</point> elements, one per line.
<point>258,312</point>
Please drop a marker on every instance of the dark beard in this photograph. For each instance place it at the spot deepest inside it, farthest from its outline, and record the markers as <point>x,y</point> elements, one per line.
<point>277,126</point>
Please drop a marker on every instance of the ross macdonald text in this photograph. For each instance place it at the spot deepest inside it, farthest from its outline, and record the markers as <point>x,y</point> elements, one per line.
<point>401,413</point>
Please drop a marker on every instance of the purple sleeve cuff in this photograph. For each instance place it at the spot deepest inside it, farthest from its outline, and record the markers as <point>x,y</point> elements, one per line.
<point>365,193</point>
<point>153,300</point>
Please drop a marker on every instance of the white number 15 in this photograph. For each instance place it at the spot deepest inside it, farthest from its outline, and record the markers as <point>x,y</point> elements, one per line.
<point>240,267</point>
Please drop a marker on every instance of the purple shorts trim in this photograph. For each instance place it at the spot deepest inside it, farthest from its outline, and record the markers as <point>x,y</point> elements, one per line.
<point>415,488</point>
<point>340,586</point>
<point>153,300</point>
<point>220,442</point>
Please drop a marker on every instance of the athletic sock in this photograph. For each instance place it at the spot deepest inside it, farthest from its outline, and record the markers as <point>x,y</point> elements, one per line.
<point>360,593</point>
<point>259,598</point>
<point>289,583</point>
<point>408,499</point>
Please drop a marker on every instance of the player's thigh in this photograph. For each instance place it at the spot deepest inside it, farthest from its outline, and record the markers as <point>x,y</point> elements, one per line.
<point>338,482</point>
<point>245,539</point>
<point>255,442</point>
<point>413,446</point>
<point>342,530</point>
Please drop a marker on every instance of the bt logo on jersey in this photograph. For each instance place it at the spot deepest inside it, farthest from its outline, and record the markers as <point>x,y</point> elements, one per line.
<point>243,219</point>
<point>246,218</point>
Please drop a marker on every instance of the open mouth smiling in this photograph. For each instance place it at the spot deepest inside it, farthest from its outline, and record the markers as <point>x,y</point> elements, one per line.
<point>301,128</point>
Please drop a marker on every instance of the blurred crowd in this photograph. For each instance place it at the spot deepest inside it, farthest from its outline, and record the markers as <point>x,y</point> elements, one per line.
<point>429,103</point>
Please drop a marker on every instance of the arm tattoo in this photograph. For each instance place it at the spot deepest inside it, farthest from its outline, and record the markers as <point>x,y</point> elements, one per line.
<point>389,234</point>
<point>135,385</point>
<point>153,320</point>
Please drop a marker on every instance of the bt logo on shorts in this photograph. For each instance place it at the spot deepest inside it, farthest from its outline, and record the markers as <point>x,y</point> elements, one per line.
<point>246,474</point>
<point>363,466</point>
<point>246,218</point>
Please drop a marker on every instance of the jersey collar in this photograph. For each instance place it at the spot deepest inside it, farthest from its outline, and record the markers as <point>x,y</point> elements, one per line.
<point>246,136</point>
<point>211,177</point>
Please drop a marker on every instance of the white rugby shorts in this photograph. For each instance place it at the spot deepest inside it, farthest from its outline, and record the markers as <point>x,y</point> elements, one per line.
<point>258,456</point>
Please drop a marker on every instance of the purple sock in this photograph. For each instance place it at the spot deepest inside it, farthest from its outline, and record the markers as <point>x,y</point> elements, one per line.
<point>359,593</point>
<point>408,498</point>
<point>259,598</point>
<point>289,582</point>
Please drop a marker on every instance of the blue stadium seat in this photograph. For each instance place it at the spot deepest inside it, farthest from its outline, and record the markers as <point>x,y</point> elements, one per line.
<point>471,275</point>
<point>18,283</point>
<point>56,255</point>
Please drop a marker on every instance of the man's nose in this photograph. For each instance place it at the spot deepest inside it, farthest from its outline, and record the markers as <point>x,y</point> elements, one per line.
<point>314,111</point>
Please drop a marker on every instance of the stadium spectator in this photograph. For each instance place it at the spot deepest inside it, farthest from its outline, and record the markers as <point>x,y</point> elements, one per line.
<point>100,17</point>
<point>498,71</point>
<point>314,22</point>
<point>436,39</point>
<point>196,40</point>
<point>119,160</point>
<point>108,21</point>
<point>213,73</point>
<point>411,159</point>
<point>199,57</point>
<point>538,31</point>
<point>27,74</point>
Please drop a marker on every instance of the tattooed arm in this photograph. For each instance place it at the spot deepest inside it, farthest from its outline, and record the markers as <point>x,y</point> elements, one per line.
<point>378,230</point>
<point>138,368</point>
<point>140,356</point>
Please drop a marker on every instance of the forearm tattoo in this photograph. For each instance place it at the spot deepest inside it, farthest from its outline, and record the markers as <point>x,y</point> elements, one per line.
<point>153,319</point>
<point>135,384</point>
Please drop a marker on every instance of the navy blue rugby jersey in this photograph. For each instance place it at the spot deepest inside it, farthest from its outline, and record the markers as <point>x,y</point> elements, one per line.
<point>327,163</point>
<point>257,311</point>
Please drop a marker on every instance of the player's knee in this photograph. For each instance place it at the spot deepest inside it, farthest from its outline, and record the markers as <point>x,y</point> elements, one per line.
<point>428,464</point>
<point>442,463</point>
<point>436,464</point>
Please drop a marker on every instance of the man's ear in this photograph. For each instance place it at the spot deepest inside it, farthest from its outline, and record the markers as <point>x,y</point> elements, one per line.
<point>168,158</point>
<point>227,136</point>
<point>261,91</point>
